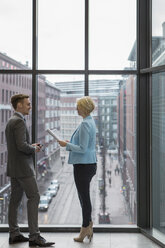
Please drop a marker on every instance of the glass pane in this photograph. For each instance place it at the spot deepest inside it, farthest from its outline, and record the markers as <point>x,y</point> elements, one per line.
<point>158,32</point>
<point>158,151</point>
<point>16,34</point>
<point>10,84</point>
<point>61,34</point>
<point>112,34</point>
<point>57,95</point>
<point>115,115</point>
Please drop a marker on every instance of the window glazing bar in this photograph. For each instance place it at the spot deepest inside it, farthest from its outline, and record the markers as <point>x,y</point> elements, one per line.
<point>153,69</point>
<point>16,71</point>
<point>86,90</point>
<point>92,72</point>
<point>34,67</point>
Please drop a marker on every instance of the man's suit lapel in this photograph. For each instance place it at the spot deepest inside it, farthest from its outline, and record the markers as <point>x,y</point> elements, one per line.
<point>27,134</point>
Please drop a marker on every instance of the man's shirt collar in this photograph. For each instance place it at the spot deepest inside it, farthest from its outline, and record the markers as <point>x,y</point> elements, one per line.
<point>20,114</point>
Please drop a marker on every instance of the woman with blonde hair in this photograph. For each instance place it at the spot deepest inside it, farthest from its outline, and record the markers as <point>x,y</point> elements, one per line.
<point>82,154</point>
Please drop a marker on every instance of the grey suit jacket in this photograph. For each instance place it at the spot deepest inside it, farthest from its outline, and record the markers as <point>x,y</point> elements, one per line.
<point>20,160</point>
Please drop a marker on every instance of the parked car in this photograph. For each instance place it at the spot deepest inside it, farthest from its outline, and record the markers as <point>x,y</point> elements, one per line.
<point>101,183</point>
<point>49,194</point>
<point>44,203</point>
<point>53,190</point>
<point>104,218</point>
<point>55,182</point>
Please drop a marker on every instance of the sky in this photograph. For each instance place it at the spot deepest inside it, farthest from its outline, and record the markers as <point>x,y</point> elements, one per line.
<point>15,26</point>
<point>158,16</point>
<point>112,32</point>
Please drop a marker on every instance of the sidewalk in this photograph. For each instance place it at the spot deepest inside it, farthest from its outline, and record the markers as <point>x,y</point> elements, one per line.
<point>114,201</point>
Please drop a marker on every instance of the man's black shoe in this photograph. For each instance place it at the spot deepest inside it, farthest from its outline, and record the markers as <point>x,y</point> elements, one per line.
<point>18,239</point>
<point>40,241</point>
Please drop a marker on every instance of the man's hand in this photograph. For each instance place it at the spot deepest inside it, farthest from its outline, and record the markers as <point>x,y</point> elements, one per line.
<point>37,147</point>
<point>62,143</point>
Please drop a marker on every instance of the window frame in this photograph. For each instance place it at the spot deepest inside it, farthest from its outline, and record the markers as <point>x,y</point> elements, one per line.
<point>143,73</point>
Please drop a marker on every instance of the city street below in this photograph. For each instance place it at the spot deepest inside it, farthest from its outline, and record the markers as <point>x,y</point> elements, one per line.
<point>65,207</point>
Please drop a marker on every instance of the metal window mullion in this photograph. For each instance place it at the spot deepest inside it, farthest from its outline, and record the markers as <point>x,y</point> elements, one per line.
<point>155,69</point>
<point>34,76</point>
<point>143,116</point>
<point>112,72</point>
<point>92,72</point>
<point>86,86</point>
<point>4,71</point>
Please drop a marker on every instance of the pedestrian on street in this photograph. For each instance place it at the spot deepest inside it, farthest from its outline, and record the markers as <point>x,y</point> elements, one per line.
<point>20,169</point>
<point>117,170</point>
<point>110,181</point>
<point>82,154</point>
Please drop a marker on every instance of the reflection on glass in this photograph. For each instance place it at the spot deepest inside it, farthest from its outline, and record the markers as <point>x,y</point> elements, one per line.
<point>158,32</point>
<point>16,34</point>
<point>158,151</point>
<point>115,117</point>
<point>112,31</point>
<point>61,34</point>
<point>10,84</point>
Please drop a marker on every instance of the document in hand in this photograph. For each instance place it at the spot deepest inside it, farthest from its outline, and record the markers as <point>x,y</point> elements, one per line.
<point>54,133</point>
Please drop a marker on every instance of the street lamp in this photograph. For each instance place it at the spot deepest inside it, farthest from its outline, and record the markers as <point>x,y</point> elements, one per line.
<point>103,216</point>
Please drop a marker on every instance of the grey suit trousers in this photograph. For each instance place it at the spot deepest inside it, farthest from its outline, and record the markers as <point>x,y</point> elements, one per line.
<point>29,186</point>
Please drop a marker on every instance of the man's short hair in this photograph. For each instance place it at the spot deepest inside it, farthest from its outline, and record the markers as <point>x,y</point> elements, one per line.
<point>17,98</point>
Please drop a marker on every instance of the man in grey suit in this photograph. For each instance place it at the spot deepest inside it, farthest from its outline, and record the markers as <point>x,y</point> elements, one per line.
<point>20,168</point>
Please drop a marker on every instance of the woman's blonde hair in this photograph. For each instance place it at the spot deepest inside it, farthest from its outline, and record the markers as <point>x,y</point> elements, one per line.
<point>86,104</point>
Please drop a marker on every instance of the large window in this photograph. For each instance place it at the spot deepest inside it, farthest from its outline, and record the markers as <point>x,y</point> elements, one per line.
<point>75,44</point>
<point>158,119</point>
<point>112,33</point>
<point>16,34</point>
<point>158,33</point>
<point>61,34</point>
<point>115,117</point>
<point>158,152</point>
<point>57,111</point>
<point>10,84</point>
